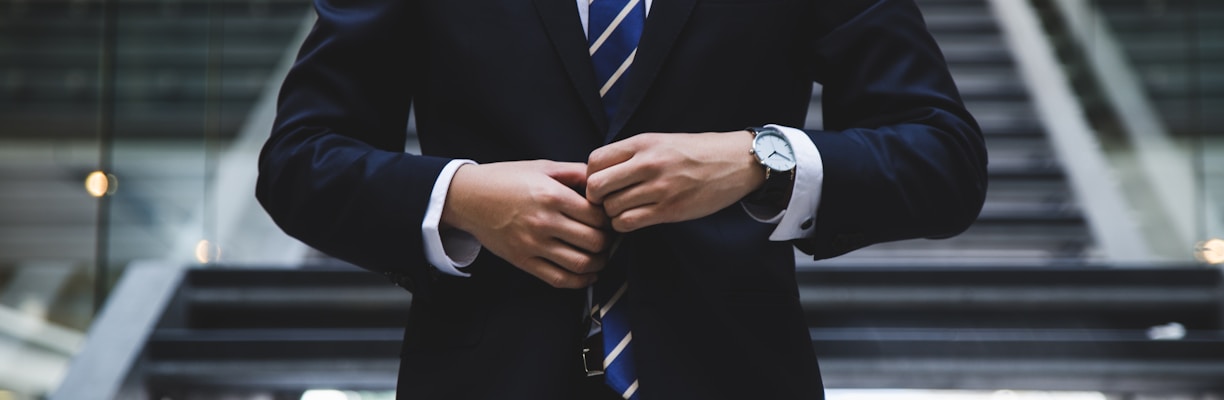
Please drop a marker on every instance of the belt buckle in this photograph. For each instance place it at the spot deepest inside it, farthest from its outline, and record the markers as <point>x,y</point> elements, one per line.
<point>591,363</point>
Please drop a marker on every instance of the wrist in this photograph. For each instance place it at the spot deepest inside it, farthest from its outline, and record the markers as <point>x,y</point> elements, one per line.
<point>460,186</point>
<point>739,142</point>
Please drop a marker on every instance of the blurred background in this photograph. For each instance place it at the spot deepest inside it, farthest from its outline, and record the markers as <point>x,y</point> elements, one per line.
<point>136,264</point>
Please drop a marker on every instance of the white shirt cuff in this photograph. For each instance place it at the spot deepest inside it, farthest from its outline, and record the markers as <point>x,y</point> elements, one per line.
<point>447,249</point>
<point>798,219</point>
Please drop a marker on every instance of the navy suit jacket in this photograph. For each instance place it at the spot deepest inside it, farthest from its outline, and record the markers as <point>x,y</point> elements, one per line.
<point>715,309</point>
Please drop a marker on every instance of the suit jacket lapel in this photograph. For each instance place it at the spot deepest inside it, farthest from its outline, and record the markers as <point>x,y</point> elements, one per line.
<point>663,25</point>
<point>560,18</point>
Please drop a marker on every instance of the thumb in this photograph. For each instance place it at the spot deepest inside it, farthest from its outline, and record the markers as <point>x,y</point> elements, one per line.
<point>569,174</point>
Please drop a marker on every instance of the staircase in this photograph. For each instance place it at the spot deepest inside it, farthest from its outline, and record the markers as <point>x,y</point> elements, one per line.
<point>250,333</point>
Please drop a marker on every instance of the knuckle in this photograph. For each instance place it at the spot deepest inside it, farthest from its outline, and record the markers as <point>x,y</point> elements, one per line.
<point>548,197</point>
<point>611,206</point>
<point>561,281</point>
<point>598,263</point>
<point>651,164</point>
<point>630,222</point>
<point>533,223</point>
<point>597,155</point>
<point>619,224</point>
<point>581,265</point>
<point>665,189</point>
<point>595,184</point>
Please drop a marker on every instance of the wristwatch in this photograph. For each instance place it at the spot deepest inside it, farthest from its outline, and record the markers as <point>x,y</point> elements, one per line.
<point>773,150</point>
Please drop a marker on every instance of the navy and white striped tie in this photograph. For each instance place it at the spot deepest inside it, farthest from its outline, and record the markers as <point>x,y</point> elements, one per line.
<point>611,309</point>
<point>614,28</point>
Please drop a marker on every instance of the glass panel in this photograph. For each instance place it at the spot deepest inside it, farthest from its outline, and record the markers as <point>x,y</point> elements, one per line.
<point>190,75</point>
<point>1175,49</point>
<point>51,106</point>
<point>165,122</point>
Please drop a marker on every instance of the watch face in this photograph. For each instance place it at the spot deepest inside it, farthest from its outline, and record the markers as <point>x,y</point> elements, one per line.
<point>774,151</point>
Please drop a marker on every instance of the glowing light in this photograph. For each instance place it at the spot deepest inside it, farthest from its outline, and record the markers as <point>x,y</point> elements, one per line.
<point>206,252</point>
<point>1211,251</point>
<point>100,184</point>
<point>1169,331</point>
<point>324,394</point>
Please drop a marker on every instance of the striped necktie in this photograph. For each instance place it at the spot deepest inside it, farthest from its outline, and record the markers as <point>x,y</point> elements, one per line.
<point>614,28</point>
<point>611,310</point>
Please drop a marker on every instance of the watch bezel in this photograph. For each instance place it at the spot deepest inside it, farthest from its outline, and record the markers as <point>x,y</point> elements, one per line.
<point>758,135</point>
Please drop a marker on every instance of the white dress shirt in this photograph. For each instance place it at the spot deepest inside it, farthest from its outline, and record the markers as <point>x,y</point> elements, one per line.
<point>449,250</point>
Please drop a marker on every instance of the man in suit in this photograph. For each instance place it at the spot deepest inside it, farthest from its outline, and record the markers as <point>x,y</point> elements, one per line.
<point>547,164</point>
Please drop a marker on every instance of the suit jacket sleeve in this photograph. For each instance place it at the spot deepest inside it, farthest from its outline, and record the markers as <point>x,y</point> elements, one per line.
<point>333,173</point>
<point>902,156</point>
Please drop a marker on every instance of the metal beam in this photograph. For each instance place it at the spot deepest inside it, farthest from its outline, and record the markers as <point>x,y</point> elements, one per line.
<point>117,338</point>
<point>1073,139</point>
<point>1163,173</point>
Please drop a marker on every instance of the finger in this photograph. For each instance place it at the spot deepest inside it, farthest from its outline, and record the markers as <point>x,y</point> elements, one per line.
<point>637,218</point>
<point>572,259</point>
<point>612,179</point>
<point>557,277</point>
<point>581,210</point>
<point>573,175</point>
<point>611,154</point>
<point>574,206</point>
<point>635,196</point>
<point>581,236</point>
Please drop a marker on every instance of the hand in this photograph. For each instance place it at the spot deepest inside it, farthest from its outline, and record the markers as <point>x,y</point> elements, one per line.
<point>531,214</point>
<point>655,178</point>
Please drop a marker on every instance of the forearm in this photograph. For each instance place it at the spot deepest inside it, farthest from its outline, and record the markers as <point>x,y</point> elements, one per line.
<point>333,172</point>
<point>350,200</point>
<point>903,158</point>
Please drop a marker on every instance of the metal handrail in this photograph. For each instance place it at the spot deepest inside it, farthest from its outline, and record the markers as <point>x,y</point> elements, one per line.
<point>1093,179</point>
<point>117,338</point>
